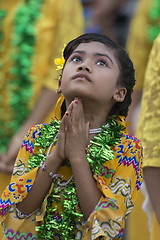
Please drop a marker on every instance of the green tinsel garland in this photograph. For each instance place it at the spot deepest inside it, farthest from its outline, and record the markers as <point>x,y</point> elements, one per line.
<point>154,15</point>
<point>100,151</point>
<point>20,82</point>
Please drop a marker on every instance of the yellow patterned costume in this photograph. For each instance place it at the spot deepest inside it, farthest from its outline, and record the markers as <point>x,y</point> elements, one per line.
<point>119,188</point>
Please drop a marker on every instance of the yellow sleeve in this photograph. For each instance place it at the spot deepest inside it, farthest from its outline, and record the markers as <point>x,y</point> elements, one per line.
<point>21,180</point>
<point>148,129</point>
<point>119,189</point>
<point>17,190</point>
<point>13,222</point>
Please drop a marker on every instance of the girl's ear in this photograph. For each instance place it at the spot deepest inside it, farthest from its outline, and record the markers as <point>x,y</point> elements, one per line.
<point>59,87</point>
<point>120,94</point>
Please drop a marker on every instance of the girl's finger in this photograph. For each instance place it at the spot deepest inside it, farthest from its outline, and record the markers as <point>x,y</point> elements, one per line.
<point>69,109</point>
<point>61,130</point>
<point>77,112</point>
<point>62,125</point>
<point>68,122</point>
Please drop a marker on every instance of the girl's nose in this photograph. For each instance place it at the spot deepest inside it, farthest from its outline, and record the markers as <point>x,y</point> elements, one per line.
<point>84,67</point>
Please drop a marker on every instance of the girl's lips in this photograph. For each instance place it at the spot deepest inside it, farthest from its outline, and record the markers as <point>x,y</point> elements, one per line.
<point>81,75</point>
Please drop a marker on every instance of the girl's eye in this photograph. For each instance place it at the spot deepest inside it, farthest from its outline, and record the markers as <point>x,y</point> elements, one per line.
<point>76,59</point>
<point>102,63</point>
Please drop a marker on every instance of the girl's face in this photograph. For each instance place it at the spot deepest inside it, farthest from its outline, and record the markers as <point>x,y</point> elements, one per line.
<point>91,72</point>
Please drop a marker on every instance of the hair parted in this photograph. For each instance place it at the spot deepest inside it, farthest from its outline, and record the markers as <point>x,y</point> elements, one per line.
<point>127,73</point>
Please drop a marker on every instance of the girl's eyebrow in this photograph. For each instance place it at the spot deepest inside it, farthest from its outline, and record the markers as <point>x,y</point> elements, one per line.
<point>104,55</point>
<point>96,54</point>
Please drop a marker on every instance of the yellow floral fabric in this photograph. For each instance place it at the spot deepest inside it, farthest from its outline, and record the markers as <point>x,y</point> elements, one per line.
<point>119,188</point>
<point>148,130</point>
<point>138,45</point>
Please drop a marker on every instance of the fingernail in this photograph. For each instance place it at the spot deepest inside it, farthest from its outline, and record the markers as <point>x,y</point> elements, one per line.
<point>76,102</point>
<point>80,99</point>
<point>67,114</point>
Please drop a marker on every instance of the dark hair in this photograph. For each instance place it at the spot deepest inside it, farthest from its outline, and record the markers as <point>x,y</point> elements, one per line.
<point>127,73</point>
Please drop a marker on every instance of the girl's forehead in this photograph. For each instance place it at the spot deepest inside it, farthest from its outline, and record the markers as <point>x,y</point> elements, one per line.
<point>93,46</point>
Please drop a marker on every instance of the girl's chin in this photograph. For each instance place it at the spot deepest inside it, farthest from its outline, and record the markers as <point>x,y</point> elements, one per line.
<point>71,97</point>
<point>75,93</point>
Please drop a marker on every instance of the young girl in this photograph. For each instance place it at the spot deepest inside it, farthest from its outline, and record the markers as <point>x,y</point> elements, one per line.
<point>78,178</point>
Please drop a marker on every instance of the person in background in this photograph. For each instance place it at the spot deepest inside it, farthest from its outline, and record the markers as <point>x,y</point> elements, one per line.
<point>148,130</point>
<point>139,45</point>
<point>32,34</point>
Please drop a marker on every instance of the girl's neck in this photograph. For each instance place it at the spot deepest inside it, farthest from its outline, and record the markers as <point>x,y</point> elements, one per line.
<point>94,113</point>
<point>96,119</point>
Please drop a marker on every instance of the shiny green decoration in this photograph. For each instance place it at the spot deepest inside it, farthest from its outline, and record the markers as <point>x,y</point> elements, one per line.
<point>19,80</point>
<point>100,151</point>
<point>154,16</point>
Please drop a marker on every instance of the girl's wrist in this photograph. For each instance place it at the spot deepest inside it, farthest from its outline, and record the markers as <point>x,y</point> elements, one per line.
<point>78,157</point>
<point>51,174</point>
<point>53,163</point>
